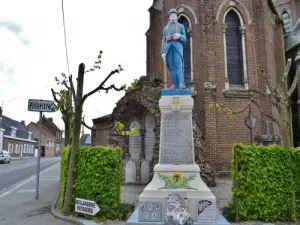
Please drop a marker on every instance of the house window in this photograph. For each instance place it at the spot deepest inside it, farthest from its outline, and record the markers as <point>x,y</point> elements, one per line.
<point>13,132</point>
<point>9,148</point>
<point>287,23</point>
<point>30,135</point>
<point>235,50</point>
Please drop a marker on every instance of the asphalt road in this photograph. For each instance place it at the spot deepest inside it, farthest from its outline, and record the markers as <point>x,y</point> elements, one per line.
<point>19,170</point>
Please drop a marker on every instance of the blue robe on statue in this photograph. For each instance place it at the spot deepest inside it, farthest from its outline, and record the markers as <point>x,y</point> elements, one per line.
<point>173,50</point>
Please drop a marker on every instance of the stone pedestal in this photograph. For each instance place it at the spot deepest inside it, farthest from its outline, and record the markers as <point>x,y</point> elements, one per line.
<point>176,173</point>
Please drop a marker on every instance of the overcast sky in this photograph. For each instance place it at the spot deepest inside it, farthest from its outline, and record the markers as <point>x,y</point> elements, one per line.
<point>32,50</point>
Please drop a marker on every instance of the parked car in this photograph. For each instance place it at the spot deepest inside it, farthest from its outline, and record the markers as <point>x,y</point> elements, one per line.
<point>4,157</point>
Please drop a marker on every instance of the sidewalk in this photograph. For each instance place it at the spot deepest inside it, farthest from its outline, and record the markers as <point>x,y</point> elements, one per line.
<point>22,158</point>
<point>19,206</point>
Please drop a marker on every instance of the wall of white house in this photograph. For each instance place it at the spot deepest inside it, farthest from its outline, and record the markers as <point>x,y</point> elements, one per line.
<point>1,138</point>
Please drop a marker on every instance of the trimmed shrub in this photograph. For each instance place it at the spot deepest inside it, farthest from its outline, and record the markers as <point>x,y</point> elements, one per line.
<point>263,182</point>
<point>99,178</point>
<point>296,160</point>
<point>64,165</point>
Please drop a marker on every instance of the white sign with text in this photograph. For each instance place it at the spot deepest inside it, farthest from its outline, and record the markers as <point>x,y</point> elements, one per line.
<point>40,105</point>
<point>86,206</point>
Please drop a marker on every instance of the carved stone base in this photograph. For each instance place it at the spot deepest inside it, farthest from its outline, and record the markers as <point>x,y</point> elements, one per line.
<point>177,173</point>
<point>201,203</point>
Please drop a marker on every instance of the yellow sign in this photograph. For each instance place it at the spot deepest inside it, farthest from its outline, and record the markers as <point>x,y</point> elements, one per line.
<point>176,104</point>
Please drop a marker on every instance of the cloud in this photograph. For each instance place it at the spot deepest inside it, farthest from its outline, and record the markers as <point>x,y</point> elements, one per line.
<point>16,29</point>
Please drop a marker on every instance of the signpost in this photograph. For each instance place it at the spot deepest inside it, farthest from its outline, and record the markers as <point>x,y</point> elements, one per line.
<point>39,106</point>
<point>86,206</point>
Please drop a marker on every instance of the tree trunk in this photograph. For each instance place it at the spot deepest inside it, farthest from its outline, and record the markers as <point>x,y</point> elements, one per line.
<point>75,141</point>
<point>67,132</point>
<point>285,126</point>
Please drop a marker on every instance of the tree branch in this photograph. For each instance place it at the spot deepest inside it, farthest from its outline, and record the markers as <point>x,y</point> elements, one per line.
<point>72,88</point>
<point>54,95</point>
<point>112,87</point>
<point>101,86</point>
<point>62,109</point>
<point>264,114</point>
<point>88,127</point>
<point>66,85</point>
<point>286,71</point>
<point>295,82</point>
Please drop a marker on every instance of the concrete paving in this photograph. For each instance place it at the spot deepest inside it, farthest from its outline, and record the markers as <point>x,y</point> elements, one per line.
<point>18,205</point>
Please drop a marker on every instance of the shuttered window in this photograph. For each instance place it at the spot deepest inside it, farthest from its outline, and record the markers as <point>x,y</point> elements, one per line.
<point>234,49</point>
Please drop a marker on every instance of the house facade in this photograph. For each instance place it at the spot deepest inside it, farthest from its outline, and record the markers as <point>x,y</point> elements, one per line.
<point>51,126</point>
<point>227,42</point>
<point>17,138</point>
<point>47,139</point>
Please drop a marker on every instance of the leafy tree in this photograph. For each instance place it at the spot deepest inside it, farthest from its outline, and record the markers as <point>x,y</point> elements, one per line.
<point>63,101</point>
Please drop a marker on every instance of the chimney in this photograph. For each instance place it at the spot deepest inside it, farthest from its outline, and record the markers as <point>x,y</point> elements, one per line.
<point>23,122</point>
<point>50,119</point>
<point>1,111</point>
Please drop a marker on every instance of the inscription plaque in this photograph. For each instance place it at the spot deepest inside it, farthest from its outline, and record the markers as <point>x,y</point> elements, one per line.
<point>149,135</point>
<point>145,172</point>
<point>130,172</point>
<point>176,139</point>
<point>135,141</point>
<point>150,212</point>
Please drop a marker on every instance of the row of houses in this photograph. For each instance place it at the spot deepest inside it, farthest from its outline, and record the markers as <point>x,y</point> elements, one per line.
<point>21,140</point>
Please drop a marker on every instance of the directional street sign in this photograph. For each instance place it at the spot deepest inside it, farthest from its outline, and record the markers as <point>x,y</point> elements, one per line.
<point>86,206</point>
<point>40,105</point>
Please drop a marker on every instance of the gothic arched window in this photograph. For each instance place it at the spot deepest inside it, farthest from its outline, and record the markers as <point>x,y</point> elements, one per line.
<point>234,49</point>
<point>187,50</point>
<point>286,18</point>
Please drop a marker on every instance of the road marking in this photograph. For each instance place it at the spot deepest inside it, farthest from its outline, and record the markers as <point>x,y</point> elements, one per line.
<point>25,191</point>
<point>22,183</point>
<point>50,178</point>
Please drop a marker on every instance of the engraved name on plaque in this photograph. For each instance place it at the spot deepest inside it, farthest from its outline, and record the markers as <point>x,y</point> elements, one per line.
<point>149,136</point>
<point>135,141</point>
<point>176,139</point>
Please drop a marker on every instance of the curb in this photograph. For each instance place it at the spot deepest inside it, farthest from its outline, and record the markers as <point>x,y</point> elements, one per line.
<point>72,219</point>
<point>23,158</point>
<point>60,216</point>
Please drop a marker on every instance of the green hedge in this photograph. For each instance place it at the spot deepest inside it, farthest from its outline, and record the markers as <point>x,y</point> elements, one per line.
<point>98,178</point>
<point>296,161</point>
<point>265,182</point>
<point>64,165</point>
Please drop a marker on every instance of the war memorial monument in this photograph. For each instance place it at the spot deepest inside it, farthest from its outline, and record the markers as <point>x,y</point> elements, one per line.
<point>176,195</point>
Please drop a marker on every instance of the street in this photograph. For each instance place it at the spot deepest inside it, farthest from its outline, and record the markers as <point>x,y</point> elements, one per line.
<point>18,204</point>
<point>19,170</point>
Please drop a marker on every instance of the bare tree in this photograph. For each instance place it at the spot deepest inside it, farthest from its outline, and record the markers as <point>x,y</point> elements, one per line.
<point>79,100</point>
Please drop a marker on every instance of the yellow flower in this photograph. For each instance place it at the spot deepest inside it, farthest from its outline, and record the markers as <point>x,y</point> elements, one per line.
<point>177,178</point>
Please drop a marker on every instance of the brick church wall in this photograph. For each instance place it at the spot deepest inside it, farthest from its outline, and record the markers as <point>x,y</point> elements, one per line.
<point>261,35</point>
